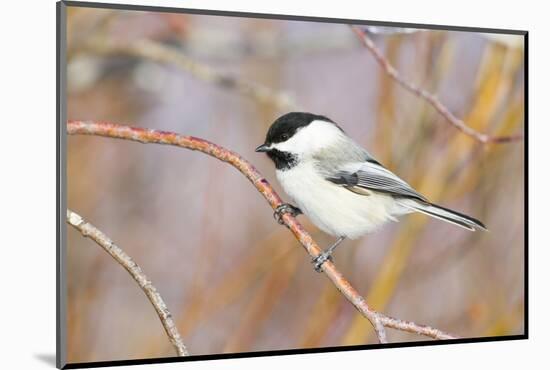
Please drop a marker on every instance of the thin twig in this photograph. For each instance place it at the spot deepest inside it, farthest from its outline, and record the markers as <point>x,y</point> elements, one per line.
<point>143,135</point>
<point>90,231</point>
<point>160,53</point>
<point>432,99</point>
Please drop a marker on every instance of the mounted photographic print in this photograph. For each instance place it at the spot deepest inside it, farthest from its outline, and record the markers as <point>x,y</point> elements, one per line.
<point>237,184</point>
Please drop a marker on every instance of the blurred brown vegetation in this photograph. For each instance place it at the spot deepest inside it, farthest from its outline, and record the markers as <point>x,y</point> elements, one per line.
<point>207,239</point>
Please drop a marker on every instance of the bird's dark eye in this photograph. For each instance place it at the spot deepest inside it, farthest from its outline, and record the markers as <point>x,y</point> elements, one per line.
<point>284,137</point>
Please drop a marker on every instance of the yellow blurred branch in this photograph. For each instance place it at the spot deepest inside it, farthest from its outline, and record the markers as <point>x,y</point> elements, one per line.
<point>432,99</point>
<point>458,150</point>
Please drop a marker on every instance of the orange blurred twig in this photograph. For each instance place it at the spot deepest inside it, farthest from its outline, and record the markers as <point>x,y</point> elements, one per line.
<point>378,320</point>
<point>432,99</point>
<point>89,230</point>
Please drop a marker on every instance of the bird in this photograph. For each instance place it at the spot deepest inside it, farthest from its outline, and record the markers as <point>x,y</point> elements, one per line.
<point>338,184</point>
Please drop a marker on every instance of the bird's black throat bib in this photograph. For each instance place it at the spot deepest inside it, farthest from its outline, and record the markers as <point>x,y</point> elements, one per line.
<point>283,160</point>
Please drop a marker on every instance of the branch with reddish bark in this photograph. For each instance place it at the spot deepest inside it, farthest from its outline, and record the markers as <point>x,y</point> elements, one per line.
<point>432,99</point>
<point>92,232</point>
<point>378,320</point>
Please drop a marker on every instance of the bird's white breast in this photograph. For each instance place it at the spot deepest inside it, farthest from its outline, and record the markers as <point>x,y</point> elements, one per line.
<point>332,208</point>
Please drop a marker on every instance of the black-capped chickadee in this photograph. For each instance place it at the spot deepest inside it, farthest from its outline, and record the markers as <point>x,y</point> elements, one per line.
<point>338,184</point>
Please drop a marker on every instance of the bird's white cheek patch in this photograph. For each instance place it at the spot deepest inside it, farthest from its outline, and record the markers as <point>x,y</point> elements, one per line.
<point>296,144</point>
<point>308,139</point>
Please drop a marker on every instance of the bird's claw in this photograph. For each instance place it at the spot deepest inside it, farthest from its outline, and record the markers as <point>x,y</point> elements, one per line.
<point>320,259</point>
<point>285,208</point>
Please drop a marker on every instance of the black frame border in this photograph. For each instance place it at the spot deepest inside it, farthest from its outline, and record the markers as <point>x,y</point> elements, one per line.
<point>61,137</point>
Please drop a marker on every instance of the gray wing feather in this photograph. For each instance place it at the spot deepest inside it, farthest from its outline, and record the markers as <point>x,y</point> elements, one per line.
<point>373,176</point>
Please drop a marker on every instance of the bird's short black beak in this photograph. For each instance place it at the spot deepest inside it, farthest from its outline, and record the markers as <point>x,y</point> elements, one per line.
<point>263,148</point>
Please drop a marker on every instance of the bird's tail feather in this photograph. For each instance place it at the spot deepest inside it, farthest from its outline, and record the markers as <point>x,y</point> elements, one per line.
<point>446,214</point>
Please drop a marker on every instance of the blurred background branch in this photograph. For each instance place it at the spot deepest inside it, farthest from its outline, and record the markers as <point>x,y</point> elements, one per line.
<point>90,231</point>
<point>160,53</point>
<point>378,320</point>
<point>432,99</point>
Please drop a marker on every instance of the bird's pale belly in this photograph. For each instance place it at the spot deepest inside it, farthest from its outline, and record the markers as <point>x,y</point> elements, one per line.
<point>332,208</point>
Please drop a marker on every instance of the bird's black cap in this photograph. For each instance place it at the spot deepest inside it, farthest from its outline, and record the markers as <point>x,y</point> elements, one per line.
<point>283,129</point>
<point>287,125</point>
